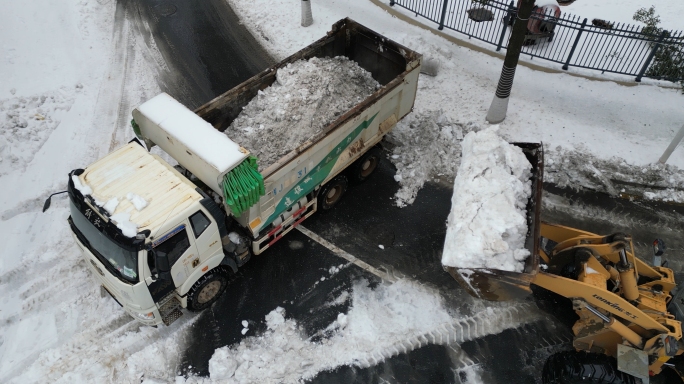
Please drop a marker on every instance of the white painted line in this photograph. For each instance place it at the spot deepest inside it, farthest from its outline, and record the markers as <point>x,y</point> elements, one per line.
<point>341,253</point>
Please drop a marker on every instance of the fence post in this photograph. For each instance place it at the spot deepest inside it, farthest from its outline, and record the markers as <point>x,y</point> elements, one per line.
<point>574,45</point>
<point>650,56</point>
<point>505,25</point>
<point>441,21</point>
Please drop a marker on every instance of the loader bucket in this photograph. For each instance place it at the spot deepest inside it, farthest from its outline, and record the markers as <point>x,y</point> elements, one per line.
<point>498,285</point>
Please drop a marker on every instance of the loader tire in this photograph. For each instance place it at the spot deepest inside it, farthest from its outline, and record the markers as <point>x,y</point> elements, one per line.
<point>365,165</point>
<point>331,193</point>
<point>208,289</point>
<point>572,367</point>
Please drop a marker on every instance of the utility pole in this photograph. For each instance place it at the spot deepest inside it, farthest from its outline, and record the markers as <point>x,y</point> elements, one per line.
<point>499,107</point>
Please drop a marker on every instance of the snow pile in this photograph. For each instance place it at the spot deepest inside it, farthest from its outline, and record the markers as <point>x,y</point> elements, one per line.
<point>471,374</point>
<point>83,188</point>
<point>275,318</point>
<point>304,99</point>
<point>377,320</point>
<point>335,269</point>
<point>487,224</point>
<point>124,223</point>
<point>110,206</point>
<point>578,169</point>
<point>339,300</point>
<point>138,201</point>
<point>428,146</point>
<point>668,195</point>
<point>25,125</point>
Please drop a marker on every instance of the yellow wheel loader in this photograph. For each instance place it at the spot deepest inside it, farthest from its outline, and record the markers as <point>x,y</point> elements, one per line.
<point>629,313</point>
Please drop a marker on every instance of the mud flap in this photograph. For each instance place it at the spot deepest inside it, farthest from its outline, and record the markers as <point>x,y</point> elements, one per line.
<point>632,362</point>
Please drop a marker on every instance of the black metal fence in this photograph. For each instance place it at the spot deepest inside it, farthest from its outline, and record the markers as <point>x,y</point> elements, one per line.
<point>568,40</point>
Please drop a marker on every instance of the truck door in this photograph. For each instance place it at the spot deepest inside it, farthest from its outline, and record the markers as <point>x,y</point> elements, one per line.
<point>178,247</point>
<point>207,237</point>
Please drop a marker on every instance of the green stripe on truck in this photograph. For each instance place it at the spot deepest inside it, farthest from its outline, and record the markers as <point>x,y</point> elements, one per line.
<point>319,173</point>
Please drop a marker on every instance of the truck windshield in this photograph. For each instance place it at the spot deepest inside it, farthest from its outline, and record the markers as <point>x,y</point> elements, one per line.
<point>121,262</point>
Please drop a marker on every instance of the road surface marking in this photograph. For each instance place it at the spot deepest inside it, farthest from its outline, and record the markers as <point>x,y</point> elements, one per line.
<point>341,253</point>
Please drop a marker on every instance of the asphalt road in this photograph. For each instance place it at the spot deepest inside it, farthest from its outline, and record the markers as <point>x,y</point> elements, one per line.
<point>208,52</point>
<point>206,49</point>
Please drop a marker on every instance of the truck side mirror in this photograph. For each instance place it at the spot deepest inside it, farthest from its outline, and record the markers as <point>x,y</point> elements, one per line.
<point>47,202</point>
<point>658,250</point>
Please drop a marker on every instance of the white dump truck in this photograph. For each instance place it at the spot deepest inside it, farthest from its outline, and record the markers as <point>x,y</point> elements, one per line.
<point>161,238</point>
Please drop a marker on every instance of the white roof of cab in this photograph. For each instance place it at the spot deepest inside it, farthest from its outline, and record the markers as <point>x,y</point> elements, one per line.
<point>198,135</point>
<point>132,169</point>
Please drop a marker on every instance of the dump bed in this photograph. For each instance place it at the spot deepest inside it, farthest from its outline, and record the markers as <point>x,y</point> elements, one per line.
<point>290,179</point>
<point>499,285</point>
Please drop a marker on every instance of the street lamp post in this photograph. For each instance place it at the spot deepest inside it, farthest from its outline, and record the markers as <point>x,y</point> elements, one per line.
<point>499,107</point>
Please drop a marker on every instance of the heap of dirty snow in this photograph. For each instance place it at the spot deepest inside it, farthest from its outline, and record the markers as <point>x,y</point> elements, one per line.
<point>380,320</point>
<point>428,148</point>
<point>306,96</point>
<point>487,224</point>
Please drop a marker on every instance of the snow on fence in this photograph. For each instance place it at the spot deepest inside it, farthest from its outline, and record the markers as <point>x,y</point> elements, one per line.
<point>568,40</point>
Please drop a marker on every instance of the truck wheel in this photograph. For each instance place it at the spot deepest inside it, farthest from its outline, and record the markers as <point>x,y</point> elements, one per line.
<point>208,289</point>
<point>572,367</point>
<point>331,193</point>
<point>365,165</point>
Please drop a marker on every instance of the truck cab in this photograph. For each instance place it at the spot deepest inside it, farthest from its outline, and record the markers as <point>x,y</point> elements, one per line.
<point>150,235</point>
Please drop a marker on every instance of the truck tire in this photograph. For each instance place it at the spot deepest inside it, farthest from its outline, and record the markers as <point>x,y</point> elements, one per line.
<point>365,165</point>
<point>208,288</point>
<point>572,367</point>
<point>331,193</point>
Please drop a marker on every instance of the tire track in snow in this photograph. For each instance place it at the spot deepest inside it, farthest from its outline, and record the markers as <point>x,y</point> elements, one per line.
<point>458,331</point>
<point>111,92</point>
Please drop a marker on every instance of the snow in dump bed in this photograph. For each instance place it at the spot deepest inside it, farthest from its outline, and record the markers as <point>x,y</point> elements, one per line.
<point>487,224</point>
<point>304,99</point>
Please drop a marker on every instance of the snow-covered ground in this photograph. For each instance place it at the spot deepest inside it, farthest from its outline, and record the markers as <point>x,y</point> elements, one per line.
<point>70,73</point>
<point>621,11</point>
<point>66,70</point>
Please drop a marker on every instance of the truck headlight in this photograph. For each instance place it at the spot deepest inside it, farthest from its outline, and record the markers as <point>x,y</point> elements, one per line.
<point>145,316</point>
